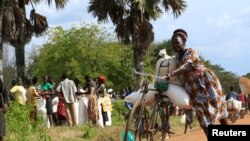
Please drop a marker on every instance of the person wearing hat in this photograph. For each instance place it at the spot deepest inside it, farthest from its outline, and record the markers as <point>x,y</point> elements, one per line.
<point>101,88</point>
<point>201,83</point>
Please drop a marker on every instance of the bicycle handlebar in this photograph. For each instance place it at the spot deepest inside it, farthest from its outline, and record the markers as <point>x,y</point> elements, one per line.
<point>149,75</point>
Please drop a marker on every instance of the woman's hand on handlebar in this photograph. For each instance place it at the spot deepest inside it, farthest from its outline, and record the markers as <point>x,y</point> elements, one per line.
<point>167,76</point>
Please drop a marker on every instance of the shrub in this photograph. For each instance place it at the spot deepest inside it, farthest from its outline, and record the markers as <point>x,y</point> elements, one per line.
<point>18,126</point>
<point>118,111</point>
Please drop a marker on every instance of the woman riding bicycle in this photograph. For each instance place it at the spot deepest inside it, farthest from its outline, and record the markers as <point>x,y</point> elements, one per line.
<point>200,82</point>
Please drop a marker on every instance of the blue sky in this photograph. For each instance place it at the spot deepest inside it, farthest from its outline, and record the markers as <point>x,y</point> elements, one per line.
<point>218,29</point>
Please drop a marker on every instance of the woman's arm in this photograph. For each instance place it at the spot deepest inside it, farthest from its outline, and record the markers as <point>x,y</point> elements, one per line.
<point>179,70</point>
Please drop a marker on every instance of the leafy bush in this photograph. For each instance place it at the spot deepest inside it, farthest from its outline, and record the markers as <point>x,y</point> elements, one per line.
<point>19,128</point>
<point>118,111</point>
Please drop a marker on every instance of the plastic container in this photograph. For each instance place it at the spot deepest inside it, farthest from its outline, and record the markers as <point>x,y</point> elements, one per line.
<point>130,136</point>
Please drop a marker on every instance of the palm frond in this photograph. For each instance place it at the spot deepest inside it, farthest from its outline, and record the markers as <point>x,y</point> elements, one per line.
<point>101,8</point>
<point>29,30</point>
<point>60,4</point>
<point>177,6</point>
<point>121,32</point>
<point>145,35</point>
<point>117,13</point>
<point>39,22</point>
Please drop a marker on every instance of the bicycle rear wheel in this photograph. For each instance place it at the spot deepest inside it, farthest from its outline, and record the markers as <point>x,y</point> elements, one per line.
<point>137,122</point>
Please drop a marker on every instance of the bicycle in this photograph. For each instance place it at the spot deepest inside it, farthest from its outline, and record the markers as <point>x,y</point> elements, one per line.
<point>145,125</point>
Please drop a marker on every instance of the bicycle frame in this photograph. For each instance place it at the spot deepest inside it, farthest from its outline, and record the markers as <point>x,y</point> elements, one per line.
<point>146,125</point>
<point>151,128</point>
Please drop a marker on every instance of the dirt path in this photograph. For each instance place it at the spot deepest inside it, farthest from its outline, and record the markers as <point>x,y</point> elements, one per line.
<point>198,134</point>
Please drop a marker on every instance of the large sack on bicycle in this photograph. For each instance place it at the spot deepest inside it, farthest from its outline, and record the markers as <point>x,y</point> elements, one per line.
<point>233,104</point>
<point>178,95</point>
<point>134,96</point>
<point>244,83</point>
<point>164,66</point>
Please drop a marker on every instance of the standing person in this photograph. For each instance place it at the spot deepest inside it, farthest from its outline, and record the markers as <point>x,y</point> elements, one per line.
<point>248,103</point>
<point>4,100</point>
<point>46,92</point>
<point>32,96</point>
<point>242,98</point>
<point>68,89</point>
<point>18,91</point>
<point>101,88</point>
<point>201,83</point>
<point>55,100</point>
<point>90,87</point>
<point>101,92</point>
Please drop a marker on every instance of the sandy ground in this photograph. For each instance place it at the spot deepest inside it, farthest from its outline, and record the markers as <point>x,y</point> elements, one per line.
<point>198,134</point>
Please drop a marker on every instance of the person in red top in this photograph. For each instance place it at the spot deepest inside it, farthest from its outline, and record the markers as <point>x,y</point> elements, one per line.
<point>242,98</point>
<point>248,103</point>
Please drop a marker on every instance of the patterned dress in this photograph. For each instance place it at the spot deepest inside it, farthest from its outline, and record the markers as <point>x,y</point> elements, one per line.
<point>93,112</point>
<point>204,89</point>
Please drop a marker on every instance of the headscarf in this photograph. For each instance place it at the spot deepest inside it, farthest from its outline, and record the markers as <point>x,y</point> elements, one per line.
<point>101,79</point>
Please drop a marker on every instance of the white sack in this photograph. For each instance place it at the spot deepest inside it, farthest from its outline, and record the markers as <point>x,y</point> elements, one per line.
<point>233,104</point>
<point>99,122</point>
<point>55,102</point>
<point>82,110</point>
<point>178,95</point>
<point>164,66</point>
<point>109,123</point>
<point>134,96</point>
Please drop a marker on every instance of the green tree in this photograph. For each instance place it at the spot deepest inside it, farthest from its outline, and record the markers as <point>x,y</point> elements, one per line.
<point>78,51</point>
<point>132,21</point>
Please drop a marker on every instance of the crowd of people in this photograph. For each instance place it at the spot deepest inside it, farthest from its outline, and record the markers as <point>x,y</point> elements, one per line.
<point>58,103</point>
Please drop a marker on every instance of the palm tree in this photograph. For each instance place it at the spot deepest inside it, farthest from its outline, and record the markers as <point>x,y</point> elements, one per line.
<point>132,21</point>
<point>17,30</point>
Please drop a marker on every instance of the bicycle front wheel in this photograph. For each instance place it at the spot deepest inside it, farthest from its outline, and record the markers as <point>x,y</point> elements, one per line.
<point>137,123</point>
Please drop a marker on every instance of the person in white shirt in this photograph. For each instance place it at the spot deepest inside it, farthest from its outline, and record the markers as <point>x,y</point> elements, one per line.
<point>68,88</point>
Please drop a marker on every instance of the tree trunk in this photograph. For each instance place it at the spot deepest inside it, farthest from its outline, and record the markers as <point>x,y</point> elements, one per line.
<point>1,45</point>
<point>20,60</point>
<point>1,60</point>
<point>138,61</point>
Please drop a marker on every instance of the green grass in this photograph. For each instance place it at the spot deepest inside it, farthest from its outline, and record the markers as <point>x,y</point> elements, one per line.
<point>19,128</point>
